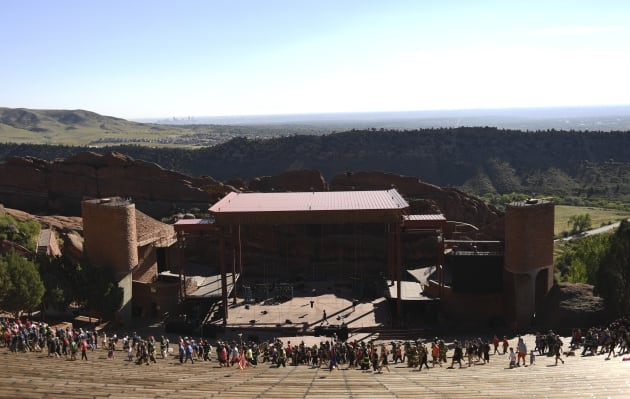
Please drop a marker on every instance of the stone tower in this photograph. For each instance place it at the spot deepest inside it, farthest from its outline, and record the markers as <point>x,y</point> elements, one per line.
<point>110,240</point>
<point>529,233</point>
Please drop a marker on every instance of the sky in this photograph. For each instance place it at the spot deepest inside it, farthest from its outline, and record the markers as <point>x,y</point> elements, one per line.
<point>162,58</point>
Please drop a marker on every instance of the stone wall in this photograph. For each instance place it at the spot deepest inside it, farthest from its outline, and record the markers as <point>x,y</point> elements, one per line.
<point>147,269</point>
<point>109,231</point>
<point>528,262</point>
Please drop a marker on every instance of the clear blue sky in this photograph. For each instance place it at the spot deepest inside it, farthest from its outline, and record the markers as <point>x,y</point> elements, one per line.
<point>157,58</point>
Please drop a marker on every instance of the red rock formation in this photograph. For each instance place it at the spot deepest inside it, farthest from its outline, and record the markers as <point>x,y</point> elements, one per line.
<point>59,223</point>
<point>36,185</point>
<point>58,187</point>
<point>425,198</point>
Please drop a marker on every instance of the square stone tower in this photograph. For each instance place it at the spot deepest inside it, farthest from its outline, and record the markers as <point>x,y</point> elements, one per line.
<point>528,261</point>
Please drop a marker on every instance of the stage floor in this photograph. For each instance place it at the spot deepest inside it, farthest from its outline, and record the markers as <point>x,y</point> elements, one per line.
<point>306,312</point>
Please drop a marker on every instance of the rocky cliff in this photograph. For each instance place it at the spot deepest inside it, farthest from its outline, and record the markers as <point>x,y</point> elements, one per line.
<point>57,187</point>
<point>424,198</point>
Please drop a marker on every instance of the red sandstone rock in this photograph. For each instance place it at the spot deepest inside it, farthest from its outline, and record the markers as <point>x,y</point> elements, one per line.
<point>58,187</point>
<point>423,197</point>
<point>36,185</point>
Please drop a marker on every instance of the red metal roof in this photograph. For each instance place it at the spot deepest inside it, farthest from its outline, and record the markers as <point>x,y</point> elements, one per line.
<point>432,217</point>
<point>194,225</point>
<point>182,222</point>
<point>310,201</point>
<point>431,221</point>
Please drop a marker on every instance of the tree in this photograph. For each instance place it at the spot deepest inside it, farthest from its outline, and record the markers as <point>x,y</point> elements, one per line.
<point>580,223</point>
<point>60,278</point>
<point>23,288</point>
<point>22,233</point>
<point>98,289</point>
<point>580,259</point>
<point>613,275</point>
<point>4,283</point>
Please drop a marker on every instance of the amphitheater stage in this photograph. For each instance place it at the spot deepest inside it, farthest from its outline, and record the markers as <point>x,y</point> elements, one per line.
<point>303,314</point>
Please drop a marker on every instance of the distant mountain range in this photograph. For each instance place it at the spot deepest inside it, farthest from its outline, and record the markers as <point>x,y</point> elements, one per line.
<point>559,118</point>
<point>85,128</point>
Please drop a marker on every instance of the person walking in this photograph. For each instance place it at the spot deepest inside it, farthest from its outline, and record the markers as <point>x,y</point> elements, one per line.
<point>435,354</point>
<point>164,347</point>
<point>458,354</point>
<point>84,348</point>
<point>495,342</point>
<point>521,348</point>
<point>557,348</point>
<point>332,359</point>
<point>512,358</point>
<point>189,353</point>
<point>73,350</point>
<point>442,350</point>
<point>182,352</point>
<point>383,359</point>
<point>423,355</point>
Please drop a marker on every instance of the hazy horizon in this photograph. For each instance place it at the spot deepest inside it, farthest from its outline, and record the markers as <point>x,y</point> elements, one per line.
<point>616,117</point>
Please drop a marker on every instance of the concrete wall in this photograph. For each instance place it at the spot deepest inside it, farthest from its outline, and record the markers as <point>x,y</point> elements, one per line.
<point>152,300</point>
<point>480,310</point>
<point>124,314</point>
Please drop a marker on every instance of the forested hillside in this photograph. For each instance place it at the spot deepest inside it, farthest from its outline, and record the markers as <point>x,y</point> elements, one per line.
<point>479,160</point>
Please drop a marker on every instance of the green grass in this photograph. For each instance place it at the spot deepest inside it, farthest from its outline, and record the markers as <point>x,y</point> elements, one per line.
<point>599,216</point>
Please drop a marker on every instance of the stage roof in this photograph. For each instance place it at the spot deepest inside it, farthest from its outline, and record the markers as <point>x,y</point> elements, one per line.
<point>436,221</point>
<point>317,207</point>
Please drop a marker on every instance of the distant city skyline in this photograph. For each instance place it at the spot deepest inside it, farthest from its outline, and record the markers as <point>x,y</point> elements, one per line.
<point>160,59</point>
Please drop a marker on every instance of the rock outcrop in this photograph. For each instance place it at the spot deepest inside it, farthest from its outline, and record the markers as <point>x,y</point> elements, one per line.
<point>57,222</point>
<point>58,187</point>
<point>572,305</point>
<point>426,198</point>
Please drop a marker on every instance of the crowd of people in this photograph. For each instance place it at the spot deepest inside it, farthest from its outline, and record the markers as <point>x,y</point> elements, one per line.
<point>30,336</point>
<point>67,342</point>
<point>599,341</point>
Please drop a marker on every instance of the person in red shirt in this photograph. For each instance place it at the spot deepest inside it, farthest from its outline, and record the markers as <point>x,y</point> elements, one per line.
<point>223,361</point>
<point>84,347</point>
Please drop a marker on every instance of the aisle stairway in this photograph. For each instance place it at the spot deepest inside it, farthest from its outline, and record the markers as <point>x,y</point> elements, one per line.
<point>33,375</point>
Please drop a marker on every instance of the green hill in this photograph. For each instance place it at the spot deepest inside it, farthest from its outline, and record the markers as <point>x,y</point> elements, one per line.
<point>85,128</point>
<point>79,127</point>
